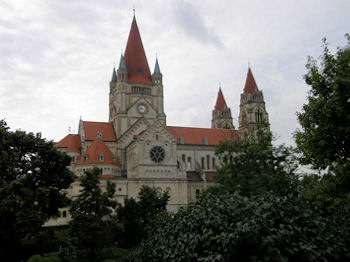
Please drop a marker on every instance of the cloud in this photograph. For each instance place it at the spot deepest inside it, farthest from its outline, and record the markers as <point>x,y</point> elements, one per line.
<point>187,18</point>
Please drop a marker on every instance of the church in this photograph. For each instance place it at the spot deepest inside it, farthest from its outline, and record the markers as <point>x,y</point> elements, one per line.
<point>136,147</point>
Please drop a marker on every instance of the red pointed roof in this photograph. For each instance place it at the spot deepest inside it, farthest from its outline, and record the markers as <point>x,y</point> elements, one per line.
<point>135,57</point>
<point>198,136</point>
<point>93,128</point>
<point>94,151</point>
<point>220,102</point>
<point>71,142</point>
<point>250,84</point>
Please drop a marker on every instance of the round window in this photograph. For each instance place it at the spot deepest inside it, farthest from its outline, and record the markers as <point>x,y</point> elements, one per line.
<point>157,154</point>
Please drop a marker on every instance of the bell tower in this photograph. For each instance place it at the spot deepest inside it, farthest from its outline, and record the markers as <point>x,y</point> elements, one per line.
<point>135,94</point>
<point>252,108</point>
<point>221,116</point>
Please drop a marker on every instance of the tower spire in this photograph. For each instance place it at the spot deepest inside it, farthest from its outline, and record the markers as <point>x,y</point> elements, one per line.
<point>250,84</point>
<point>221,115</point>
<point>135,57</point>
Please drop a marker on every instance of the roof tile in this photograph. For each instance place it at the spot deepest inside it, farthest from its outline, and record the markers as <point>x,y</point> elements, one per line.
<point>250,84</point>
<point>93,153</point>
<point>93,128</point>
<point>135,57</point>
<point>71,142</point>
<point>196,136</point>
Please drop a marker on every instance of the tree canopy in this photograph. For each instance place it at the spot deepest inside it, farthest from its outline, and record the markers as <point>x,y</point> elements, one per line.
<point>91,212</point>
<point>251,165</point>
<point>232,227</point>
<point>32,181</point>
<point>324,138</point>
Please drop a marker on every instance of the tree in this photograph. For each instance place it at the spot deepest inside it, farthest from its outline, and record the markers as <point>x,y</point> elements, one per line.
<point>90,214</point>
<point>32,181</point>
<point>323,139</point>
<point>232,227</point>
<point>251,165</point>
<point>134,216</point>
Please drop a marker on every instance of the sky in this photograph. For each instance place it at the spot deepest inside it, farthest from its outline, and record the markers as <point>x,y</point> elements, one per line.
<point>57,57</point>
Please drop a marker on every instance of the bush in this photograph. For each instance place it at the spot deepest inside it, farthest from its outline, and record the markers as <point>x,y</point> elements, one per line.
<point>237,228</point>
<point>50,257</point>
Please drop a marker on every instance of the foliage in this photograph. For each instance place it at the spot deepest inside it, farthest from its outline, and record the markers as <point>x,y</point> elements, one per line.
<point>325,120</point>
<point>251,165</point>
<point>232,227</point>
<point>51,257</point>
<point>32,181</point>
<point>324,140</point>
<point>90,213</point>
<point>135,215</point>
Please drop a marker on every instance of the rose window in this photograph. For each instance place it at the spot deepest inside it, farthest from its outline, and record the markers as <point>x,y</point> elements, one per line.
<point>157,154</point>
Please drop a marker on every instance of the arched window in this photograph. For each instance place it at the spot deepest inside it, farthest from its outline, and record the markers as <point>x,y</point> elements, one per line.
<point>102,158</point>
<point>64,213</point>
<point>99,135</point>
<point>182,141</point>
<point>86,158</point>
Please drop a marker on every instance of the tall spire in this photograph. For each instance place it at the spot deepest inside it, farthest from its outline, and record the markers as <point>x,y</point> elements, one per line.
<point>122,63</point>
<point>220,102</point>
<point>114,75</point>
<point>135,57</point>
<point>250,84</point>
<point>156,67</point>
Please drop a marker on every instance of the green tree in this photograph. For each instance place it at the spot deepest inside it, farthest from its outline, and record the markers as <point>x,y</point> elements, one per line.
<point>251,165</point>
<point>134,216</point>
<point>90,213</point>
<point>232,227</point>
<point>324,139</point>
<point>32,181</point>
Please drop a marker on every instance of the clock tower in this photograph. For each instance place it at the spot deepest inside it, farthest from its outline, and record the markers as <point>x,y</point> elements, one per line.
<point>135,94</point>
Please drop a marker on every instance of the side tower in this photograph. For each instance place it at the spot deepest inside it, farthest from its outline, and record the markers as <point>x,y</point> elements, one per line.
<point>252,108</point>
<point>221,116</point>
<point>135,94</point>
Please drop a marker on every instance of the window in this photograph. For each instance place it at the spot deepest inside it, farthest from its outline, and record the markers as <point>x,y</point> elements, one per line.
<point>99,135</point>
<point>182,141</point>
<point>208,162</point>
<point>178,164</point>
<point>183,158</point>
<point>139,71</point>
<point>157,137</point>
<point>102,158</point>
<point>213,163</point>
<point>202,162</point>
<point>64,214</point>
<point>189,163</point>
<point>86,158</point>
<point>205,141</point>
<point>115,159</point>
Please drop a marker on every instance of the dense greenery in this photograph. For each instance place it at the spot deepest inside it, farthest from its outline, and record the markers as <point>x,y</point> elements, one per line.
<point>135,215</point>
<point>325,119</point>
<point>90,213</point>
<point>33,176</point>
<point>251,165</point>
<point>324,140</point>
<point>232,227</point>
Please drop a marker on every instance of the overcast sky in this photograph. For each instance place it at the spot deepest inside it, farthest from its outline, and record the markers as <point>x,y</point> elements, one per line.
<point>56,56</point>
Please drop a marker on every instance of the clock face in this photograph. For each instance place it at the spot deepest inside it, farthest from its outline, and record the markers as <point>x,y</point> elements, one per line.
<point>141,108</point>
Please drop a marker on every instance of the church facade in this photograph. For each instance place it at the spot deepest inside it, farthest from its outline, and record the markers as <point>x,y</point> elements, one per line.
<point>136,147</point>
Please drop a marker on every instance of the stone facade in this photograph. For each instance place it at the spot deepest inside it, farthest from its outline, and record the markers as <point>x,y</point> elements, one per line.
<point>137,148</point>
